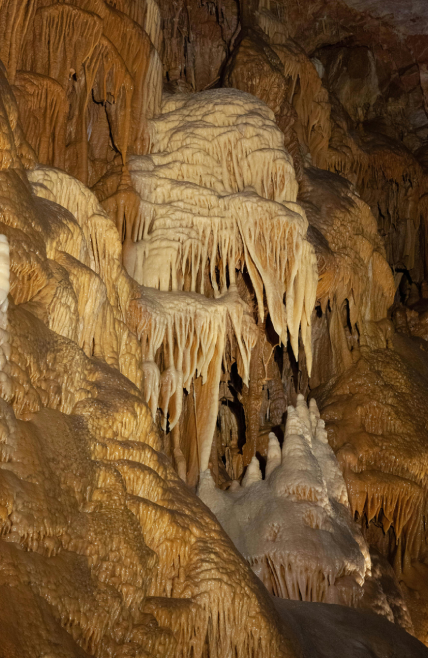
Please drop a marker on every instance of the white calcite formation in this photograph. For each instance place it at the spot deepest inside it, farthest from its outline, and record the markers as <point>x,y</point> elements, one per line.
<point>190,329</point>
<point>215,196</point>
<point>294,526</point>
<point>219,191</point>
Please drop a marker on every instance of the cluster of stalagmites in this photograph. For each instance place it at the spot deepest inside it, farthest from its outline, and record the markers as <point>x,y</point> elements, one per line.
<point>294,525</point>
<point>233,254</point>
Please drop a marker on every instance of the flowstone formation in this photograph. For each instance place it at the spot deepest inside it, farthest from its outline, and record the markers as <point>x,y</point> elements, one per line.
<point>213,224</point>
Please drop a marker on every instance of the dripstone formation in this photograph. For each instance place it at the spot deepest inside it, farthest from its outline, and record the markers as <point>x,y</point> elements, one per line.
<point>213,329</point>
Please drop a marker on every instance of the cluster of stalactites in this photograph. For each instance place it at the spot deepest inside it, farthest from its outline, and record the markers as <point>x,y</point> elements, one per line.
<point>294,526</point>
<point>101,82</point>
<point>189,330</point>
<point>216,195</point>
<point>306,92</point>
<point>392,502</point>
<point>192,331</point>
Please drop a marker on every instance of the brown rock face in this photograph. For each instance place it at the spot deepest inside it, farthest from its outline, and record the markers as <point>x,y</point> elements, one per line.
<point>213,214</point>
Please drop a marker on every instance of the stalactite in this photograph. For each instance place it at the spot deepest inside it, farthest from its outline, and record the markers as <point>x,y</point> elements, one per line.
<point>43,109</point>
<point>16,17</point>
<point>146,14</point>
<point>309,98</point>
<point>187,218</point>
<point>252,397</point>
<point>108,61</point>
<point>233,240</point>
<point>353,270</point>
<point>392,502</point>
<point>197,38</point>
<point>385,475</point>
<point>4,335</point>
<point>192,330</point>
<point>48,53</point>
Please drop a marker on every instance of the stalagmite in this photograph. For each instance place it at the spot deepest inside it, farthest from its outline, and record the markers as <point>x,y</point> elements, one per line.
<point>294,527</point>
